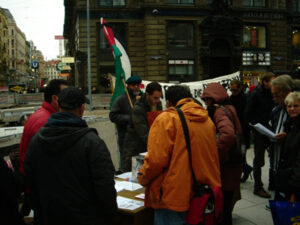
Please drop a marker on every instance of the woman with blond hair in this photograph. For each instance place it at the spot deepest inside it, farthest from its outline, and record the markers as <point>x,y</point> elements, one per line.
<point>287,181</point>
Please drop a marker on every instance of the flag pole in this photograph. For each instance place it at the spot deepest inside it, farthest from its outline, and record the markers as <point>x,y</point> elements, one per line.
<point>127,93</point>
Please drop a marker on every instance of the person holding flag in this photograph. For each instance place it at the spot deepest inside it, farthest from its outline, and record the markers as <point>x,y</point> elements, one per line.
<point>121,108</point>
<point>124,96</point>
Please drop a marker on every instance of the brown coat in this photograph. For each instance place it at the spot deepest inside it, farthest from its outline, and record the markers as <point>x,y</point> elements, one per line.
<point>166,171</point>
<point>230,173</point>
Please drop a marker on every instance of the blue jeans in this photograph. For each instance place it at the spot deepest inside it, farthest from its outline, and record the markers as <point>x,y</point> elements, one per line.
<point>168,217</point>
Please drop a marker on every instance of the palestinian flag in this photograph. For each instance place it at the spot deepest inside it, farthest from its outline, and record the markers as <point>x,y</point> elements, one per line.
<point>122,63</point>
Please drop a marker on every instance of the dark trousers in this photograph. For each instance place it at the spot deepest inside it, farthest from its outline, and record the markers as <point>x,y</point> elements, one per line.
<point>260,145</point>
<point>227,211</point>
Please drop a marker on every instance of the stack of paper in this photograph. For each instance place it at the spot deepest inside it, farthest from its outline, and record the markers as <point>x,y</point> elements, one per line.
<point>126,185</point>
<point>263,130</point>
<point>127,203</point>
<point>125,176</point>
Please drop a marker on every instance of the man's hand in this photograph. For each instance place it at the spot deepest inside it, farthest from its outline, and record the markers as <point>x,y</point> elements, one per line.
<point>280,136</point>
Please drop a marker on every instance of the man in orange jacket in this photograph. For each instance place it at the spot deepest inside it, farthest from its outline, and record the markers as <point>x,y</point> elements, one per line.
<point>166,171</point>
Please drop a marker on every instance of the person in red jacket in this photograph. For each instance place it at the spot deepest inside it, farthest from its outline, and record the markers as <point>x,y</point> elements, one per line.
<point>40,117</point>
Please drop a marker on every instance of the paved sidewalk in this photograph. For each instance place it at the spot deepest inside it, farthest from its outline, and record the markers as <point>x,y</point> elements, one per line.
<point>251,209</point>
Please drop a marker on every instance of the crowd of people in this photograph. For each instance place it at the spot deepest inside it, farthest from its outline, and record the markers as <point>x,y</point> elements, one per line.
<point>67,174</point>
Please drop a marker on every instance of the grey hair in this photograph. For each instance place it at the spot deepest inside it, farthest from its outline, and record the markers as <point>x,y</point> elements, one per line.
<point>292,97</point>
<point>284,83</point>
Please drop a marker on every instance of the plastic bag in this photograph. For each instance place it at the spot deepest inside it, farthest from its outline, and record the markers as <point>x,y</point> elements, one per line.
<point>285,212</point>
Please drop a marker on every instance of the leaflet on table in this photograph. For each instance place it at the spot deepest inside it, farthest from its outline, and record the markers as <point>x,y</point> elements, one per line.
<point>143,154</point>
<point>127,203</point>
<point>126,185</point>
<point>140,196</point>
<point>125,176</point>
<point>263,130</point>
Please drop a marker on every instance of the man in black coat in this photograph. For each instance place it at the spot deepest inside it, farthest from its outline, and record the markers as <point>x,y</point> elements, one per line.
<point>239,100</point>
<point>121,109</point>
<point>258,110</point>
<point>69,169</point>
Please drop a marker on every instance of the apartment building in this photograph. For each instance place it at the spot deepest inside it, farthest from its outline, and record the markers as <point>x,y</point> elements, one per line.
<point>50,70</point>
<point>3,49</point>
<point>16,51</point>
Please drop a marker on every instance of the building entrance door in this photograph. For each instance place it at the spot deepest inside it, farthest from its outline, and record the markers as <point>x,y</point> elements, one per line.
<point>220,58</point>
<point>219,66</point>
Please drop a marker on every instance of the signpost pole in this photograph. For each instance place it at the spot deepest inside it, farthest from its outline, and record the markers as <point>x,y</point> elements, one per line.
<point>89,53</point>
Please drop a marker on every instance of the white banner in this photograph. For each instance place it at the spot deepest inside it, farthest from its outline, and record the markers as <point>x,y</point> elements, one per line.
<point>197,87</point>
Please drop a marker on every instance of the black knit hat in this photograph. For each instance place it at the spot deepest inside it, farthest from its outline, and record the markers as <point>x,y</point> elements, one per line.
<point>134,79</point>
<point>71,98</point>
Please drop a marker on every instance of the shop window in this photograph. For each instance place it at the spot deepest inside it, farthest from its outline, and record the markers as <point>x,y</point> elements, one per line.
<point>112,2</point>
<point>262,58</point>
<point>184,2</point>
<point>254,3</point>
<point>296,39</point>
<point>180,35</point>
<point>296,6</point>
<point>181,67</point>
<point>254,37</point>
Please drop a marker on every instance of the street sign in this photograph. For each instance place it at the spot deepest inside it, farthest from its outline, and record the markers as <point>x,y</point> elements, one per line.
<point>64,74</point>
<point>66,68</point>
<point>59,37</point>
<point>35,64</point>
<point>60,66</point>
<point>67,60</point>
<point>16,88</point>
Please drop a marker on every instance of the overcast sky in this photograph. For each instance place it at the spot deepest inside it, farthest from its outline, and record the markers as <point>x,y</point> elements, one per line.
<point>40,20</point>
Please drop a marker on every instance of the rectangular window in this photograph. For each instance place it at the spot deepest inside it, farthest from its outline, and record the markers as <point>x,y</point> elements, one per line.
<point>183,2</point>
<point>112,3</point>
<point>254,37</point>
<point>12,32</point>
<point>181,67</point>
<point>12,43</point>
<point>180,35</point>
<point>254,3</point>
<point>296,6</point>
<point>228,2</point>
<point>12,53</point>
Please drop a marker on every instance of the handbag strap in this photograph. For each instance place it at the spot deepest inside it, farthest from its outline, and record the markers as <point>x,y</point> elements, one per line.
<point>187,140</point>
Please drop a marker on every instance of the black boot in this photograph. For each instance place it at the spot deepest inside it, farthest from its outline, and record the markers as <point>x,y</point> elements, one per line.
<point>247,170</point>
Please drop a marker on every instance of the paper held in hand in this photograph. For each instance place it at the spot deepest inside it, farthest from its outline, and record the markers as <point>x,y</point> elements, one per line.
<point>264,131</point>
